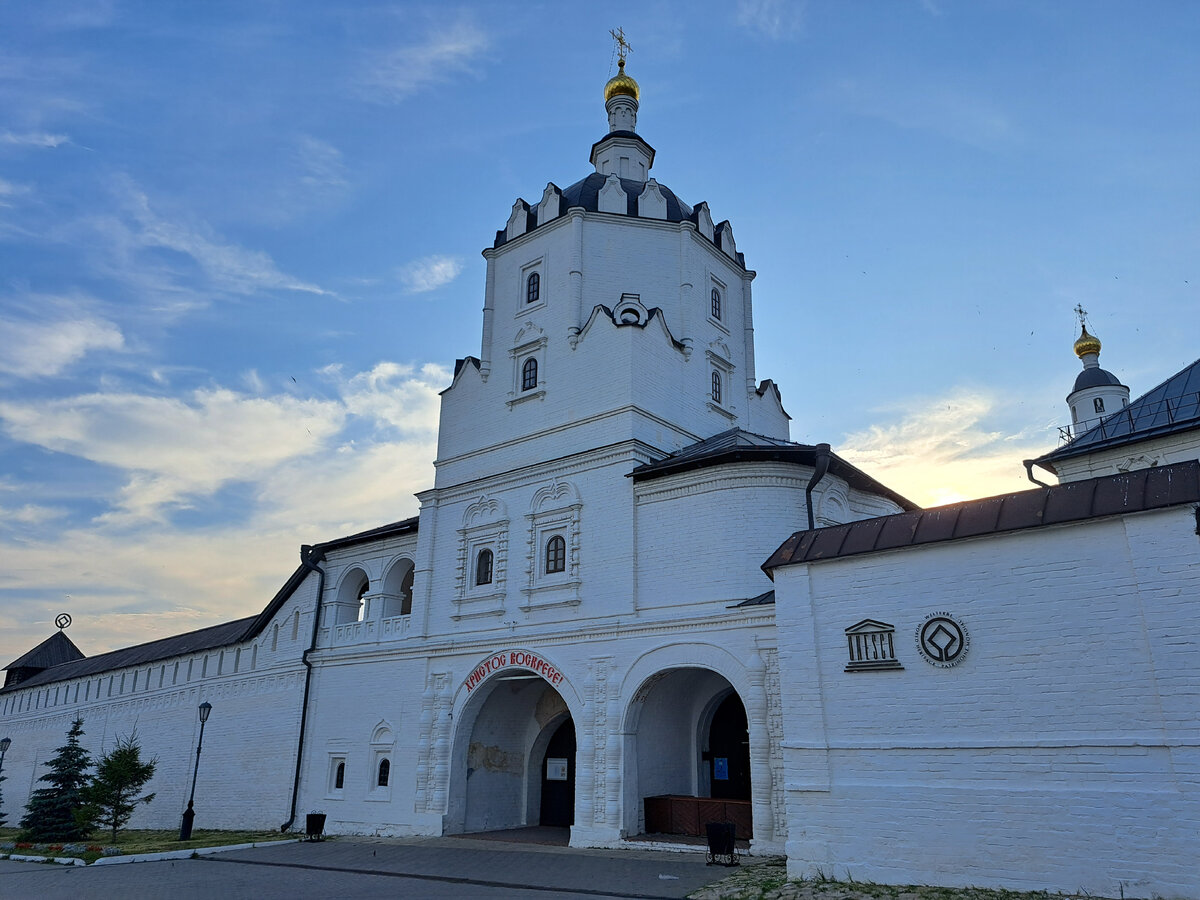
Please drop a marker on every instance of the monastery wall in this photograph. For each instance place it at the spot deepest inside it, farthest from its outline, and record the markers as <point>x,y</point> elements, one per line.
<point>1060,752</point>
<point>248,761</point>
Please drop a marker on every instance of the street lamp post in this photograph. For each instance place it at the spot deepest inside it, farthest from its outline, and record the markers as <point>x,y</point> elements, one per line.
<point>189,815</point>
<point>5,743</point>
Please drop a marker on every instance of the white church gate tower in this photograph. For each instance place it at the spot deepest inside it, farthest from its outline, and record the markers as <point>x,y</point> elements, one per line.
<point>617,331</point>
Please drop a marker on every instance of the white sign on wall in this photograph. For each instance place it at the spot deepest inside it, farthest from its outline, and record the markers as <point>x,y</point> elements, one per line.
<point>556,769</point>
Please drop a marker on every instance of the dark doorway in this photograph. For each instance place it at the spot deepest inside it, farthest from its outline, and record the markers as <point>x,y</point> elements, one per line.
<point>729,750</point>
<point>558,778</point>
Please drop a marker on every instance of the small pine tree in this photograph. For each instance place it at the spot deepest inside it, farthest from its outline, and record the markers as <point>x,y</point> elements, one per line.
<point>3,817</point>
<point>52,813</point>
<point>113,794</point>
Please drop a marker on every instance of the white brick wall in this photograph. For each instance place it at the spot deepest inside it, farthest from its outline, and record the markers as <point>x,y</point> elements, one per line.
<point>1061,753</point>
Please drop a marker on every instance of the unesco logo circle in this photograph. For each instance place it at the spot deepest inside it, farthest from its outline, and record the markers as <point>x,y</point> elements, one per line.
<point>942,640</point>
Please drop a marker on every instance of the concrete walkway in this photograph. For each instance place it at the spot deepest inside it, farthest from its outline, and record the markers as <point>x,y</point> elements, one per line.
<point>447,867</point>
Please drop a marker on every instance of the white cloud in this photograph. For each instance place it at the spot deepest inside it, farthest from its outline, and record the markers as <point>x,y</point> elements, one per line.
<point>29,514</point>
<point>174,448</point>
<point>320,164</point>
<point>946,449</point>
<point>446,51</point>
<point>163,578</point>
<point>935,108</point>
<point>8,189</point>
<point>430,273</point>
<point>174,451</point>
<point>33,349</point>
<point>395,395</point>
<point>775,19</point>
<point>33,139</point>
<point>230,267</point>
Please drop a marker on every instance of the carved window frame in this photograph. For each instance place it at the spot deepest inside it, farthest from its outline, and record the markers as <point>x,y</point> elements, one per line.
<point>485,527</point>
<point>555,512</point>
<point>382,747</point>
<point>719,365</point>
<point>533,267</point>
<point>530,343</point>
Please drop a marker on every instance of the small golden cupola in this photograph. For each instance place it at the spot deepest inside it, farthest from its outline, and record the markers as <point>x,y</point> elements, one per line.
<point>621,85</point>
<point>1087,343</point>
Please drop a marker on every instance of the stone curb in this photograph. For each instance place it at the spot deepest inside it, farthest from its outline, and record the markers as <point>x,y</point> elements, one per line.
<point>61,860</point>
<point>184,854</point>
<point>144,857</point>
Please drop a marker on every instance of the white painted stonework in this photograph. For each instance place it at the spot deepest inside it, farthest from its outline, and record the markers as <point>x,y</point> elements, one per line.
<point>547,583</point>
<point>1062,750</point>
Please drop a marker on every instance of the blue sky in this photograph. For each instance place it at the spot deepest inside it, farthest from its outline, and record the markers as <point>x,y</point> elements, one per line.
<point>239,248</point>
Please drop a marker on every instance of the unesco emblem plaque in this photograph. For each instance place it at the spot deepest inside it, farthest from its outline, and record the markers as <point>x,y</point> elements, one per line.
<point>942,640</point>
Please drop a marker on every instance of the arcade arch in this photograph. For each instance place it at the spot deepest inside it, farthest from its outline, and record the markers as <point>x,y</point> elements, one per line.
<point>348,602</point>
<point>513,755</point>
<point>686,736</point>
<point>398,588</point>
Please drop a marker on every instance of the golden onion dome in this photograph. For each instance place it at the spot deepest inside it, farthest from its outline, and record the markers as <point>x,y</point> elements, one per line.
<point>1087,343</point>
<point>621,85</point>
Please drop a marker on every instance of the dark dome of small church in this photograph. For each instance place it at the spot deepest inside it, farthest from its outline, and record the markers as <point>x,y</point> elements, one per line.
<point>1095,377</point>
<point>586,193</point>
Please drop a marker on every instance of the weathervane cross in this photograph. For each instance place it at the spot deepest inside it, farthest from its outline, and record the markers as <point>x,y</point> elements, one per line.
<point>623,47</point>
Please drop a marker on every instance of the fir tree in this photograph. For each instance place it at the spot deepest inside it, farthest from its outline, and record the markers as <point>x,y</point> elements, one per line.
<point>53,813</point>
<point>3,817</point>
<point>113,794</point>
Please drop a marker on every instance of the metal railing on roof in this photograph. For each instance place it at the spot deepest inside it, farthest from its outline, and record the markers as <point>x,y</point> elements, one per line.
<point>1136,418</point>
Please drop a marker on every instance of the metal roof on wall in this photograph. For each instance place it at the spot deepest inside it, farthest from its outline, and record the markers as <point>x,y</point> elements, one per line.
<point>1111,495</point>
<point>1171,407</point>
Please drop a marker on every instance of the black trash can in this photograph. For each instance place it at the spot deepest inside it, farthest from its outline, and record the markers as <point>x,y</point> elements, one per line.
<point>721,849</point>
<point>314,826</point>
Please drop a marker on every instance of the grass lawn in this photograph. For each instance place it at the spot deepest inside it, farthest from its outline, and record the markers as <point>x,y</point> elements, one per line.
<point>767,880</point>
<point>133,841</point>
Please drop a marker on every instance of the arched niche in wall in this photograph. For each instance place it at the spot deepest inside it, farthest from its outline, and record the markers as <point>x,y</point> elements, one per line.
<point>398,588</point>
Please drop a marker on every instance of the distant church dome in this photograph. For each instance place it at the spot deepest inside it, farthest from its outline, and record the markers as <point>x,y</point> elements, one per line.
<point>1087,343</point>
<point>1096,392</point>
<point>1096,377</point>
<point>621,85</point>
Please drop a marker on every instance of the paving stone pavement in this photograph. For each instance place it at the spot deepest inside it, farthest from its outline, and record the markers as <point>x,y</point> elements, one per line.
<point>362,868</point>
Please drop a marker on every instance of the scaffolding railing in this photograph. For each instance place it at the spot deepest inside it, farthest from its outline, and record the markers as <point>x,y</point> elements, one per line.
<point>1136,418</point>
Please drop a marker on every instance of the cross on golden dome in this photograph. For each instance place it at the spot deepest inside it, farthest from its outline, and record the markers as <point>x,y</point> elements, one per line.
<point>623,46</point>
<point>621,84</point>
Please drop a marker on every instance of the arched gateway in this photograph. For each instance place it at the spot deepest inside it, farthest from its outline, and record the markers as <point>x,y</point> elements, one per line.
<point>687,746</point>
<point>513,756</point>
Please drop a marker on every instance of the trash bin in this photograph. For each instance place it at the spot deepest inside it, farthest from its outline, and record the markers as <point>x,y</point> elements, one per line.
<point>314,826</point>
<point>721,849</point>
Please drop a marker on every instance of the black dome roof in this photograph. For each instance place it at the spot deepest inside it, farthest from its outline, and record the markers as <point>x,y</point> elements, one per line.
<point>586,193</point>
<point>1095,377</point>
